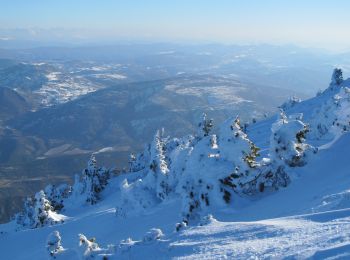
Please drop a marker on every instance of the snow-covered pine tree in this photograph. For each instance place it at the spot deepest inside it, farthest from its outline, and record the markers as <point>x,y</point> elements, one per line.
<point>197,181</point>
<point>287,149</point>
<point>92,181</point>
<point>206,181</point>
<point>158,165</point>
<point>36,213</point>
<point>43,211</point>
<point>56,195</point>
<point>26,217</point>
<point>157,183</point>
<point>330,118</point>
<point>140,161</point>
<point>205,126</point>
<point>54,244</point>
<point>236,147</point>
<point>131,162</point>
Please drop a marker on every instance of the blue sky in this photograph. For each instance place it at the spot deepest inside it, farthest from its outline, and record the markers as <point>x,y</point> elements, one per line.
<point>322,23</point>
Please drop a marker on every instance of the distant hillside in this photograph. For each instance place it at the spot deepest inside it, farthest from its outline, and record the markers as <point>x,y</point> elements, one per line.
<point>11,104</point>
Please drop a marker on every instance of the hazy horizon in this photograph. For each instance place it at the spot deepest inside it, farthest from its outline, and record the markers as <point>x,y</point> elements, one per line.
<point>312,24</point>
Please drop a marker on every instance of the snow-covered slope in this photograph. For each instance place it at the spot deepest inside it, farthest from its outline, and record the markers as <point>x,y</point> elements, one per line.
<point>208,196</point>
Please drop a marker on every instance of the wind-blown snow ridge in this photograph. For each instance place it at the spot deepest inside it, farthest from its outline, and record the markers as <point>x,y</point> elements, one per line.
<point>275,189</point>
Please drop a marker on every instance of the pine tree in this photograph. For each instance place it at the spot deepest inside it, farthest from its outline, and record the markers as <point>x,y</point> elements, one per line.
<point>205,126</point>
<point>337,77</point>
<point>26,217</point>
<point>287,149</point>
<point>242,152</point>
<point>42,211</point>
<point>132,162</point>
<point>140,161</point>
<point>56,195</point>
<point>158,165</point>
<point>92,181</point>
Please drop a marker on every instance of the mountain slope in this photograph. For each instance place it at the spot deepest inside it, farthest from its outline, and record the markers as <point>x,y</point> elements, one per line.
<point>211,195</point>
<point>11,104</point>
<point>294,235</point>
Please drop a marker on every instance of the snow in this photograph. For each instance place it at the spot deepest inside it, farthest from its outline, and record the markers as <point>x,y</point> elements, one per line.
<point>64,149</point>
<point>38,63</point>
<point>106,150</point>
<point>58,150</point>
<point>218,96</point>
<point>63,91</point>
<point>64,84</point>
<point>110,76</point>
<point>137,213</point>
<point>53,76</point>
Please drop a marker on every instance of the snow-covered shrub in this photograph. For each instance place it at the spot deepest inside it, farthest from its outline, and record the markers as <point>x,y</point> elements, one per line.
<point>181,225</point>
<point>152,235</point>
<point>124,246</point>
<point>269,177</point>
<point>287,143</point>
<point>332,117</point>
<point>54,245</point>
<point>206,220</point>
<point>135,197</point>
<point>89,249</point>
